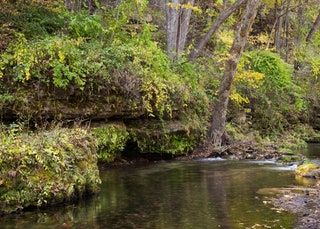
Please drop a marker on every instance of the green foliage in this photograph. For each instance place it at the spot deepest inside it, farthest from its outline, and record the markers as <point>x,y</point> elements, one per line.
<point>98,48</point>
<point>172,137</point>
<point>82,24</point>
<point>118,19</point>
<point>54,60</point>
<point>223,43</point>
<point>111,141</point>
<point>274,100</point>
<point>163,85</point>
<point>46,167</point>
<point>277,73</point>
<point>162,142</point>
<point>309,58</point>
<point>5,96</point>
<point>246,80</point>
<point>34,19</point>
<point>307,77</point>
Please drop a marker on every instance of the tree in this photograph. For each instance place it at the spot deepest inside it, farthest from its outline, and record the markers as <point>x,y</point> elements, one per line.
<point>215,26</point>
<point>279,12</point>
<point>217,128</point>
<point>178,13</point>
<point>314,28</point>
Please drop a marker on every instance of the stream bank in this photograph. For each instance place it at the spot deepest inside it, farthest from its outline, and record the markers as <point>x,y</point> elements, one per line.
<point>46,168</point>
<point>302,201</point>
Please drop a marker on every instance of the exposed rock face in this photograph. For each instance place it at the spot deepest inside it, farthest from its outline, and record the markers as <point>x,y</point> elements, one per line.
<point>119,99</point>
<point>63,104</point>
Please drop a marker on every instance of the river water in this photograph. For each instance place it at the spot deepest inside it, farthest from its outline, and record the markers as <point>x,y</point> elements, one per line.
<point>200,194</point>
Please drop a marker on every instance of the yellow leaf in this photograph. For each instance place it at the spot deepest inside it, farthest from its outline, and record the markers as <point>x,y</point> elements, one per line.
<point>188,6</point>
<point>27,72</point>
<point>61,57</point>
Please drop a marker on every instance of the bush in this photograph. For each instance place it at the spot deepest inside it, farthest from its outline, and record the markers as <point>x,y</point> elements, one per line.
<point>82,24</point>
<point>47,167</point>
<point>111,141</point>
<point>54,60</point>
<point>268,94</point>
<point>34,19</point>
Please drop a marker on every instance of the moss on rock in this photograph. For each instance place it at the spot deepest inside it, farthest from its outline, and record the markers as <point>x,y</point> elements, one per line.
<point>308,170</point>
<point>164,137</point>
<point>111,140</point>
<point>45,168</point>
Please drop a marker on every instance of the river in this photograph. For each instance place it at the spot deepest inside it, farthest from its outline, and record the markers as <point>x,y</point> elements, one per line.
<point>211,193</point>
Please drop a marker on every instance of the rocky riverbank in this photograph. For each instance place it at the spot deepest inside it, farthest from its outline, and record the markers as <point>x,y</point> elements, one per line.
<point>302,201</point>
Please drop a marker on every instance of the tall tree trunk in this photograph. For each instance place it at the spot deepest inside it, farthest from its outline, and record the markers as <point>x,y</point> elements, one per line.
<point>286,26</point>
<point>300,12</point>
<point>220,110</point>
<point>178,19</point>
<point>279,15</point>
<point>172,16</point>
<point>314,28</point>
<point>299,34</point>
<point>184,26</point>
<point>222,17</point>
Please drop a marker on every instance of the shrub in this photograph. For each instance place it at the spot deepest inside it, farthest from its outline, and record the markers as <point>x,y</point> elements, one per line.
<point>54,60</point>
<point>268,93</point>
<point>82,24</point>
<point>34,19</point>
<point>47,167</point>
<point>168,137</point>
<point>111,141</point>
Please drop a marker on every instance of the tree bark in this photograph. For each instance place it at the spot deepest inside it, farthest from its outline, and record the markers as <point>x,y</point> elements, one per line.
<point>286,26</point>
<point>314,28</point>
<point>217,128</point>
<point>299,34</point>
<point>178,19</point>
<point>222,17</point>
<point>279,15</point>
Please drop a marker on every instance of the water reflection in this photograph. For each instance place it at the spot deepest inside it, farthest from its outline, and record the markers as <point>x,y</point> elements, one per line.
<point>313,151</point>
<point>198,194</point>
<point>216,186</point>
